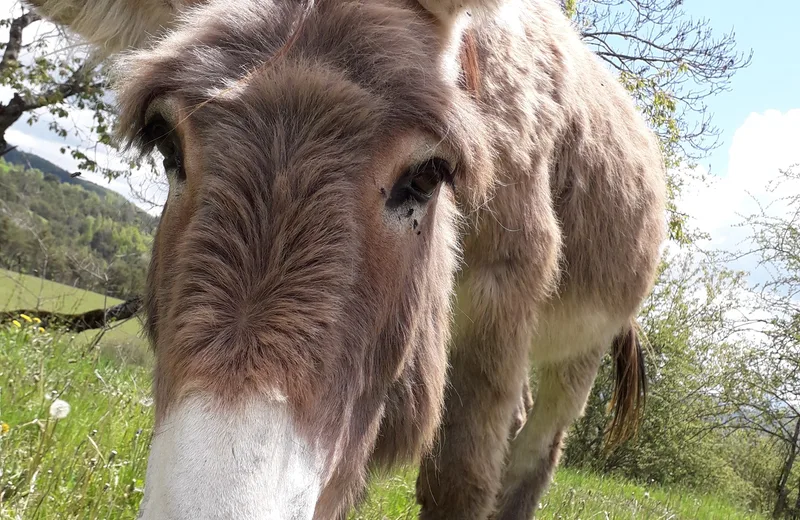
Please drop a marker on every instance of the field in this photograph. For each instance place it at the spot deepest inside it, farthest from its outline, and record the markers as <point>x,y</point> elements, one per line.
<point>91,462</point>
<point>124,341</point>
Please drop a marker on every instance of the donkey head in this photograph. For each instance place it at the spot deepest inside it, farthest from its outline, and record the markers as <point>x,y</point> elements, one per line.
<point>298,300</point>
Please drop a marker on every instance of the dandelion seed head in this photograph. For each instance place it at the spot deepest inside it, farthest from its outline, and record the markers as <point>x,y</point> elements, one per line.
<point>59,409</point>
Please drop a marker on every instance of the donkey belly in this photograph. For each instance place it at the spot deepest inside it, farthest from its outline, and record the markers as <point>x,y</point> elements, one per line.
<point>565,326</point>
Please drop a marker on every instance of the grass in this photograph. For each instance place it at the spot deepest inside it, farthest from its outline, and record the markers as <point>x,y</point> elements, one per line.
<point>91,464</point>
<point>573,495</point>
<point>123,342</point>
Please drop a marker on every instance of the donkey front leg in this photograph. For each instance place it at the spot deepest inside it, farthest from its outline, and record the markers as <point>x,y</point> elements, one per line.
<point>560,399</point>
<point>461,476</point>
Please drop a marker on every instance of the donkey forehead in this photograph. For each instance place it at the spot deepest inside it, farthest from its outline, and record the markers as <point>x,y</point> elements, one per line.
<point>390,51</point>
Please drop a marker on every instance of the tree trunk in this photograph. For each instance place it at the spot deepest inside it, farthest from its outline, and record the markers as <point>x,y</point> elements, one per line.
<point>786,472</point>
<point>10,114</point>
<point>13,110</point>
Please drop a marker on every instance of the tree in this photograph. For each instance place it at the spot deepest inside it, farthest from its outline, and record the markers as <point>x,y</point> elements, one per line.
<point>66,233</point>
<point>672,63</point>
<point>77,323</point>
<point>763,389</point>
<point>46,75</point>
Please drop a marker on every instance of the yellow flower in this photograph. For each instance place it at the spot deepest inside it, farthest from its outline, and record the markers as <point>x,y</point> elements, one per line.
<point>26,318</point>
<point>41,330</point>
<point>16,324</point>
<point>36,320</point>
<point>4,428</point>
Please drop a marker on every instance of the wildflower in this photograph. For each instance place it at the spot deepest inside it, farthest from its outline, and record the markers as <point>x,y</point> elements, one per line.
<point>4,428</point>
<point>16,324</point>
<point>36,320</point>
<point>41,330</point>
<point>59,409</point>
<point>26,318</point>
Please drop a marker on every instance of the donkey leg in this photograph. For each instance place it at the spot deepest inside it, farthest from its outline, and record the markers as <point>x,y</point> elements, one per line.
<point>460,477</point>
<point>560,399</point>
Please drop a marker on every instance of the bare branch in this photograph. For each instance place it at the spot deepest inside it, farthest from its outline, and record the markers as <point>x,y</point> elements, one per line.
<point>673,55</point>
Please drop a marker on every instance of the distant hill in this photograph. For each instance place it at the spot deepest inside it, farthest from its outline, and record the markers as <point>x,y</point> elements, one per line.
<point>69,230</point>
<point>29,160</point>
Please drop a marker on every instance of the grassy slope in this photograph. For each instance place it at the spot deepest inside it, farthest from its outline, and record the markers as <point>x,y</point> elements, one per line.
<point>29,292</point>
<point>92,463</point>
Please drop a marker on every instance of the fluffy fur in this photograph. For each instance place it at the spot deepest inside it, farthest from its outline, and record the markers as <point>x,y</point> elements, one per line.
<point>282,264</point>
<point>111,26</point>
<point>244,462</point>
<point>448,10</point>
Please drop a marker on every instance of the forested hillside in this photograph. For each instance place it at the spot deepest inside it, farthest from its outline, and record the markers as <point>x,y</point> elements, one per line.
<point>89,238</point>
<point>31,161</point>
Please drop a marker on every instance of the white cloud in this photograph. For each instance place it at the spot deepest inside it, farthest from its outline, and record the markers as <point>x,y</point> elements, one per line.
<point>760,148</point>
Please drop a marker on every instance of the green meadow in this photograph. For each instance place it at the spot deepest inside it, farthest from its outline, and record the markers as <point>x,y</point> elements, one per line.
<point>123,341</point>
<point>90,462</point>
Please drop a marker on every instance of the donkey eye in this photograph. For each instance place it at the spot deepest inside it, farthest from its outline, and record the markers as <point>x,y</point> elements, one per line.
<point>420,181</point>
<point>166,140</point>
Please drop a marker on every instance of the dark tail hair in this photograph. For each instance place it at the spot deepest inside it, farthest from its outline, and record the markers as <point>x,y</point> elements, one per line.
<point>630,387</point>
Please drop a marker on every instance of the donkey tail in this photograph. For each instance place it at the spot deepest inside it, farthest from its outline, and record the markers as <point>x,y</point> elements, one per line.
<point>630,387</point>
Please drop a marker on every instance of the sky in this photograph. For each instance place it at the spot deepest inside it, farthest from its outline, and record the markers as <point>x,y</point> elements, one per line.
<point>759,118</point>
<point>771,82</point>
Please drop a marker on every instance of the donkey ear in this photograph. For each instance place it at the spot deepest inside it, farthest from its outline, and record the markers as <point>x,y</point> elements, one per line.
<point>448,10</point>
<point>111,26</point>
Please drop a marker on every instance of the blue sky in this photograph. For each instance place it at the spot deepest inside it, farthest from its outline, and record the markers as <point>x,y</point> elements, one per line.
<point>772,81</point>
<point>759,116</point>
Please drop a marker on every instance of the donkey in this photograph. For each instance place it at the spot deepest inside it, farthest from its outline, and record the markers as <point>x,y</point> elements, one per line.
<point>381,215</point>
